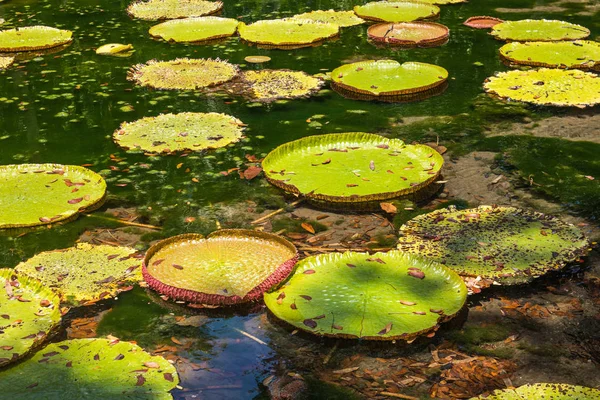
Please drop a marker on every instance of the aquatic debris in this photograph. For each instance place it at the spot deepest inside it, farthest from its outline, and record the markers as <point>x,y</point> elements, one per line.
<point>482,22</point>
<point>171,9</point>
<point>6,61</point>
<point>30,38</point>
<point>581,54</point>
<point>396,11</point>
<point>409,34</point>
<point>197,29</point>
<point>530,30</point>
<point>269,85</point>
<point>284,33</point>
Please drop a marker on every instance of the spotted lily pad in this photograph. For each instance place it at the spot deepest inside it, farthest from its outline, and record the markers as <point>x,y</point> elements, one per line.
<point>550,391</point>
<point>33,38</point>
<point>85,273</point>
<point>98,369</point>
<point>383,296</point>
<point>170,9</point>
<point>183,73</point>
<point>195,29</point>
<point>269,85</point>
<point>546,86</point>
<point>6,62</point>
<point>397,11</point>
<point>351,167</point>
<point>538,30</point>
<point>583,54</point>
<point>287,32</point>
<point>409,34</point>
<point>28,313</point>
<point>505,244</point>
<point>39,194</point>
<point>230,266</point>
<point>340,18</point>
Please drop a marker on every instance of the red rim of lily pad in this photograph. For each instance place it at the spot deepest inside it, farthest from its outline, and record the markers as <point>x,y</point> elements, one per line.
<point>482,22</point>
<point>432,34</point>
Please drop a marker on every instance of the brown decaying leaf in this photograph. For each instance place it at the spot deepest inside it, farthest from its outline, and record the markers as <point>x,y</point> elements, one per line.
<point>308,227</point>
<point>252,172</point>
<point>309,271</point>
<point>140,380</point>
<point>306,297</point>
<point>416,273</point>
<point>388,208</point>
<point>386,330</point>
<point>311,323</point>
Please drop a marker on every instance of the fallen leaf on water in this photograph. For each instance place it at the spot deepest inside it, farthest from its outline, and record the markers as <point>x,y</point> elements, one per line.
<point>388,208</point>
<point>308,227</point>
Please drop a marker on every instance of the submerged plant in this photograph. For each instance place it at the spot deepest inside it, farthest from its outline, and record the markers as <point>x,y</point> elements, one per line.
<point>269,85</point>
<point>170,9</point>
<point>538,30</point>
<point>582,54</point>
<point>397,11</point>
<point>340,18</point>
<point>409,34</point>
<point>33,38</point>
<point>195,29</point>
<point>287,32</point>
<point>551,391</point>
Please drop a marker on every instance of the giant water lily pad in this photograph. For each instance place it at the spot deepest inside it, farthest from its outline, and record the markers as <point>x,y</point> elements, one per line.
<point>270,85</point>
<point>170,9</point>
<point>195,29</point>
<point>85,273</point>
<point>169,133</point>
<point>28,312</point>
<point>409,34</point>
<point>383,296</point>
<point>397,11</point>
<point>538,30</point>
<point>39,194</point>
<point>583,54</point>
<point>505,244</point>
<point>388,77</point>
<point>287,32</point>
<point>550,391</point>
<point>482,22</point>
<point>33,38</point>
<point>340,18</point>
<point>546,86</point>
<point>6,62</point>
<point>230,266</point>
<point>97,369</point>
<point>351,167</point>
<point>183,73</point>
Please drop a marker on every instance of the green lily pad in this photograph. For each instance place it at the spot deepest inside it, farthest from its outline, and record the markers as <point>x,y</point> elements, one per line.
<point>270,85</point>
<point>547,86</point>
<point>28,313</point>
<point>229,267</point>
<point>171,9</point>
<point>195,29</point>
<point>40,194</point>
<point>33,38</point>
<point>287,32</point>
<point>170,133</point>
<point>85,273</point>
<point>396,11</point>
<point>527,30</point>
<point>340,18</point>
<point>351,167</point>
<point>6,62</point>
<point>409,34</point>
<point>583,54</point>
<point>183,73</point>
<point>383,296</point>
<point>551,391</point>
<point>388,77</point>
<point>505,244</point>
<point>98,369</point>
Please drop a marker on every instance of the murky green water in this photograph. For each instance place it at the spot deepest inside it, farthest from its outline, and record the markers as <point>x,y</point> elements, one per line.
<point>63,108</point>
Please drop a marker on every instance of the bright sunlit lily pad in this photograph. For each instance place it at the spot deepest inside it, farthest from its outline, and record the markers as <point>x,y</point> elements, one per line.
<point>287,32</point>
<point>583,54</point>
<point>270,85</point>
<point>550,391</point>
<point>170,9</point>
<point>33,38</point>
<point>538,30</point>
<point>195,29</point>
<point>340,18</point>
<point>397,11</point>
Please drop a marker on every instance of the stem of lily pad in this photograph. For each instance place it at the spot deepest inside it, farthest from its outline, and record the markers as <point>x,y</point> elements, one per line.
<point>125,222</point>
<point>266,217</point>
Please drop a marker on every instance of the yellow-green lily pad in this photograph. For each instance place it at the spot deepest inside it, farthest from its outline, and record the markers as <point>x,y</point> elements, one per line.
<point>550,391</point>
<point>531,30</point>
<point>269,85</point>
<point>582,54</point>
<point>195,29</point>
<point>342,19</point>
<point>37,37</point>
<point>397,11</point>
<point>171,9</point>
<point>287,32</point>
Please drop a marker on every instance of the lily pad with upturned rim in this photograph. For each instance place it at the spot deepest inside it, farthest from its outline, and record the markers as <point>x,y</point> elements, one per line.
<point>29,311</point>
<point>41,194</point>
<point>228,267</point>
<point>351,167</point>
<point>547,86</point>
<point>85,273</point>
<point>397,11</point>
<point>409,34</point>
<point>506,244</point>
<point>530,30</point>
<point>195,29</point>
<point>183,73</point>
<point>287,32</point>
<point>384,296</point>
<point>482,22</point>
<point>582,54</point>
<point>551,391</point>
<point>271,84</point>
<point>342,19</point>
<point>101,369</point>
<point>30,38</point>
<point>153,10</point>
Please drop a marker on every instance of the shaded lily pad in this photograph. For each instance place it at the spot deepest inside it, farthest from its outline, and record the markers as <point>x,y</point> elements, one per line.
<point>85,273</point>
<point>549,87</point>
<point>90,368</point>
<point>170,9</point>
<point>505,244</point>
<point>384,296</point>
<point>40,194</point>
<point>482,22</point>
<point>287,32</point>
<point>538,30</point>
<point>396,11</point>
<point>340,18</point>
<point>183,73</point>
<point>409,34</point>
<point>169,133</point>
<point>28,313</point>
<point>351,167</point>
<point>6,62</point>
<point>33,38</point>
<point>114,49</point>
<point>583,54</point>
<point>229,267</point>
<point>269,85</point>
<point>553,391</point>
<point>195,29</point>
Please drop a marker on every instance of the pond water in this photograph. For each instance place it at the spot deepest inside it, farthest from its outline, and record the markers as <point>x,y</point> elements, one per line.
<point>63,107</point>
